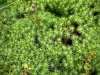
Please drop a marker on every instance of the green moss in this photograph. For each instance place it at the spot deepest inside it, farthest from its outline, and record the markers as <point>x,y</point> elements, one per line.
<point>51,41</point>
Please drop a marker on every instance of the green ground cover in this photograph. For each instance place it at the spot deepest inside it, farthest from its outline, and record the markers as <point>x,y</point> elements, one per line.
<point>58,37</point>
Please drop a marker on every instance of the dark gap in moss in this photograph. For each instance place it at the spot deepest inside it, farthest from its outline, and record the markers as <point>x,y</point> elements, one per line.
<point>20,15</point>
<point>75,24</point>
<point>71,11</point>
<point>54,10</point>
<point>96,13</point>
<point>37,41</point>
<point>93,72</point>
<point>92,6</point>
<point>63,40</point>
<point>69,41</point>
<point>77,33</point>
<point>47,7</point>
<point>66,41</point>
<point>22,36</point>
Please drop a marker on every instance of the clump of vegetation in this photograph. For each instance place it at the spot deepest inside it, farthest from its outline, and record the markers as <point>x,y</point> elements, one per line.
<point>87,66</point>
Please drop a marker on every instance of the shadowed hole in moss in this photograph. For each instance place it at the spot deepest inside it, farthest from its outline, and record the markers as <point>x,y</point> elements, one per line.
<point>93,72</point>
<point>92,6</point>
<point>20,15</point>
<point>77,33</point>
<point>96,13</point>
<point>4,22</point>
<point>57,12</point>
<point>37,41</point>
<point>75,24</point>
<point>66,41</point>
<point>71,11</point>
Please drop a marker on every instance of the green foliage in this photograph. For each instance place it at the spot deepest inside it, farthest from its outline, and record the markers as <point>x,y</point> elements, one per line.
<point>52,40</point>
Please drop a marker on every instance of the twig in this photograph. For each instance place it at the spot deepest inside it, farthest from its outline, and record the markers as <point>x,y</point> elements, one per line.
<point>9,4</point>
